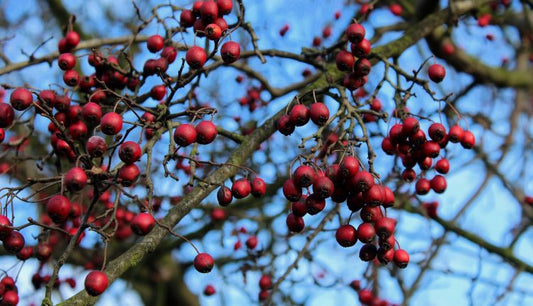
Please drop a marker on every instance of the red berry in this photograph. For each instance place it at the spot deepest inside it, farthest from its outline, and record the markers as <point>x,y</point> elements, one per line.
<point>362,67</point>
<point>422,186</point>
<point>314,204</point>
<point>401,258</point>
<point>5,225</point>
<point>304,176</point>
<point>384,227</point>
<point>213,31</point>
<point>142,224</point>
<point>368,252</point>
<point>299,115</point>
<point>96,283</point>
<point>75,179</point>
<point>128,174</point>
<point>91,113</point>
<point>437,132</point>
<point>251,242</point>
<point>203,263</point>
<point>258,187</point>
<point>361,49</point>
<point>169,53</point>
<point>14,242</point>
<point>468,140</point>
<point>10,298</point>
<point>362,181</point>
<point>344,61</point>
<point>230,52</point>
<point>224,6</point>
<point>196,57</point>
<point>436,73</point>
<point>224,196</point>
<point>21,99</point>
<point>396,9</point>
<point>323,187</point>
<point>265,282</point>
<point>111,123</point>
<point>185,134</point>
<point>208,11</point>
<point>206,132</point>
<point>66,61</point>
<point>355,32</point>
<point>442,166</point>
<point>155,43</point>
<point>365,296</point>
<point>349,166</point>
<point>319,113</point>
<point>71,78</point>
<point>366,232</point>
<point>294,223</point>
<point>209,290</point>
<point>284,125</point>
<point>291,191</point>
<point>346,235</point>
<point>456,134</point>
<point>129,152</point>
<point>72,39</point>
<point>58,208</point>
<point>158,92</point>
<point>438,183</point>
<point>187,18</point>
<point>96,146</point>
<point>241,188</point>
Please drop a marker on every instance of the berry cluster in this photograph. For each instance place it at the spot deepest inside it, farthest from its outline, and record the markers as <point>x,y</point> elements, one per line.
<point>409,142</point>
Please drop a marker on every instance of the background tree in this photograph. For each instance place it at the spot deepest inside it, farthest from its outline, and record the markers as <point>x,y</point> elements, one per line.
<point>156,139</point>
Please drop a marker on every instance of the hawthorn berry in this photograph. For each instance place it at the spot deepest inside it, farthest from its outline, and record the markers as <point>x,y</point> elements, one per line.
<point>294,223</point>
<point>142,224</point>
<point>436,73</point>
<point>96,283</point>
<point>401,258</point>
<point>185,134</point>
<point>96,146</point>
<point>241,188</point>
<point>203,263</point>
<point>258,187</point>
<point>346,235</point>
<point>299,115</point>
<point>129,152</point>
<point>21,99</point>
<point>196,57</point>
<point>209,290</point>
<point>206,132</point>
<point>75,179</point>
<point>58,208</point>
<point>14,242</point>
<point>155,43</point>
<point>111,123</point>
<point>319,113</point>
<point>355,32</point>
<point>224,196</point>
<point>128,174</point>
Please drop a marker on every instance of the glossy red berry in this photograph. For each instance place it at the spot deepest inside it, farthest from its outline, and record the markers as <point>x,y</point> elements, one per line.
<point>224,6</point>
<point>14,242</point>
<point>437,132</point>
<point>258,187</point>
<point>187,18</point>
<point>346,235</point>
<point>96,146</point>
<point>209,290</point>
<point>224,196</point>
<point>455,134</point>
<point>251,242</point>
<point>299,115</point>
<point>442,166</point>
<point>128,174</point>
<point>230,52</point>
<point>323,186</point>
<point>96,283</point>
<point>206,132</point>
<point>294,223</point>
<point>436,73</point>
<point>155,43</point>
<point>422,186</point>
<point>208,11</point>
<point>355,32</point>
<point>368,252</point>
<point>314,204</point>
<point>319,113</point>
<point>71,78</point>
<point>58,208</point>
<point>142,224</point>
<point>438,183</point>
<point>72,39</point>
<point>21,98</point>
<point>91,113</point>
<point>129,152</point>
<point>291,190</point>
<point>10,298</point>
<point>401,258</point>
<point>111,123</point>
<point>213,31</point>
<point>66,61</point>
<point>349,166</point>
<point>203,263</point>
<point>362,181</point>
<point>75,179</point>
<point>384,227</point>
<point>5,227</point>
<point>304,176</point>
<point>158,92</point>
<point>185,134</point>
<point>361,49</point>
<point>265,282</point>
<point>241,188</point>
<point>196,57</point>
<point>284,125</point>
<point>344,61</point>
<point>366,232</point>
<point>468,140</point>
